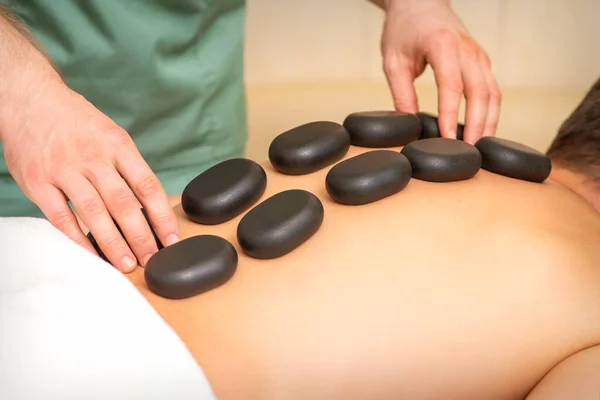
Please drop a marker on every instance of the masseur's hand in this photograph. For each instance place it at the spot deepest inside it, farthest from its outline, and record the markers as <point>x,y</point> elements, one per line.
<point>421,32</point>
<point>58,146</point>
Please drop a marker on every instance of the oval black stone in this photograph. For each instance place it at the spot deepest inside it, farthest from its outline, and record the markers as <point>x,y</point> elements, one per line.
<point>92,239</point>
<point>431,129</point>
<point>223,191</point>
<point>512,159</point>
<point>382,128</point>
<point>191,266</point>
<point>309,147</point>
<point>442,160</point>
<point>368,177</point>
<point>280,224</point>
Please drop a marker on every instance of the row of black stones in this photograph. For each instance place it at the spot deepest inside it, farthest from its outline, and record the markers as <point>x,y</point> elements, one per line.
<point>272,229</point>
<point>286,220</point>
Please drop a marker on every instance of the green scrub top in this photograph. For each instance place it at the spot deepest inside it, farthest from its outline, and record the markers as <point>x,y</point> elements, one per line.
<point>170,72</point>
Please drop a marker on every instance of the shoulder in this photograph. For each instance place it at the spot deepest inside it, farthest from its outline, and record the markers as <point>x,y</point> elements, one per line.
<point>556,225</point>
<point>577,377</point>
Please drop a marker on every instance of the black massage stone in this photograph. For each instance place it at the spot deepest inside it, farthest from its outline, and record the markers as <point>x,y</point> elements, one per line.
<point>431,129</point>
<point>280,224</point>
<point>103,256</point>
<point>512,159</point>
<point>382,128</point>
<point>442,160</point>
<point>368,177</point>
<point>309,148</point>
<point>191,266</point>
<point>223,191</point>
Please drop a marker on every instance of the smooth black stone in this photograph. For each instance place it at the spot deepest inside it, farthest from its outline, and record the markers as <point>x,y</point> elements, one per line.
<point>512,159</point>
<point>101,253</point>
<point>223,191</point>
<point>309,147</point>
<point>382,128</point>
<point>431,129</point>
<point>442,160</point>
<point>280,224</point>
<point>368,177</point>
<point>92,239</point>
<point>191,266</point>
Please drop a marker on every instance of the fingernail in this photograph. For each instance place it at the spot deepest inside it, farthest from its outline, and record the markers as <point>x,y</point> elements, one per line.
<point>172,239</point>
<point>128,264</point>
<point>453,134</point>
<point>146,258</point>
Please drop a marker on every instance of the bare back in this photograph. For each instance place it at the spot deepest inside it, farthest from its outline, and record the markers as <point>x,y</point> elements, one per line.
<point>464,290</point>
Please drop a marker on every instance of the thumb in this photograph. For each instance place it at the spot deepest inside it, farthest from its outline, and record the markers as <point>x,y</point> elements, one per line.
<point>401,82</point>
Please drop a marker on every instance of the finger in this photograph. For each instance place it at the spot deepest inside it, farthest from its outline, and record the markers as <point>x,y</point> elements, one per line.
<point>446,69</point>
<point>124,208</point>
<point>92,210</point>
<point>477,96</point>
<point>148,190</point>
<point>400,77</point>
<point>495,102</point>
<point>53,203</point>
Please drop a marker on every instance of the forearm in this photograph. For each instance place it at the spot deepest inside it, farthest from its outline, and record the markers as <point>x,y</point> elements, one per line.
<point>380,3</point>
<point>24,67</point>
<point>384,4</point>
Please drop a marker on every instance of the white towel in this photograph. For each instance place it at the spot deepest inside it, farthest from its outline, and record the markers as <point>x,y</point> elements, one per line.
<point>73,327</point>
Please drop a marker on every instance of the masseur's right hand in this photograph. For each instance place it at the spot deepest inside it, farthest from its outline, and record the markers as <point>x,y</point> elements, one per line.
<point>59,147</point>
<point>421,32</point>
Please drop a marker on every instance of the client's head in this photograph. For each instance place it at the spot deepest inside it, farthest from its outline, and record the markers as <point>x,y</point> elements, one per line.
<point>575,152</point>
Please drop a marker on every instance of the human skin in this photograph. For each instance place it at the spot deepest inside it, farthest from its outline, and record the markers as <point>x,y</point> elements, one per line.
<point>577,377</point>
<point>464,290</point>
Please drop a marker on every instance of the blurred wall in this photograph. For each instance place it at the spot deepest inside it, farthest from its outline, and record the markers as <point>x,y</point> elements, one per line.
<point>320,59</point>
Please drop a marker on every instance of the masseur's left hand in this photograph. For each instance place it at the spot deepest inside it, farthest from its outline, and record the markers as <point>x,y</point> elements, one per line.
<point>421,32</point>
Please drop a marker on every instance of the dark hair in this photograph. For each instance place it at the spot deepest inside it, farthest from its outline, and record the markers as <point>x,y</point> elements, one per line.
<point>576,147</point>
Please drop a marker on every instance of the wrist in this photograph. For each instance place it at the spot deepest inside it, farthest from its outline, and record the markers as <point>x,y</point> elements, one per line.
<point>409,5</point>
<point>24,82</point>
<point>25,72</point>
<point>21,92</point>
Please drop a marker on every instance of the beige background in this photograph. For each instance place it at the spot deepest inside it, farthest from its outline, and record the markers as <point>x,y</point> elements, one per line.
<point>309,60</point>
